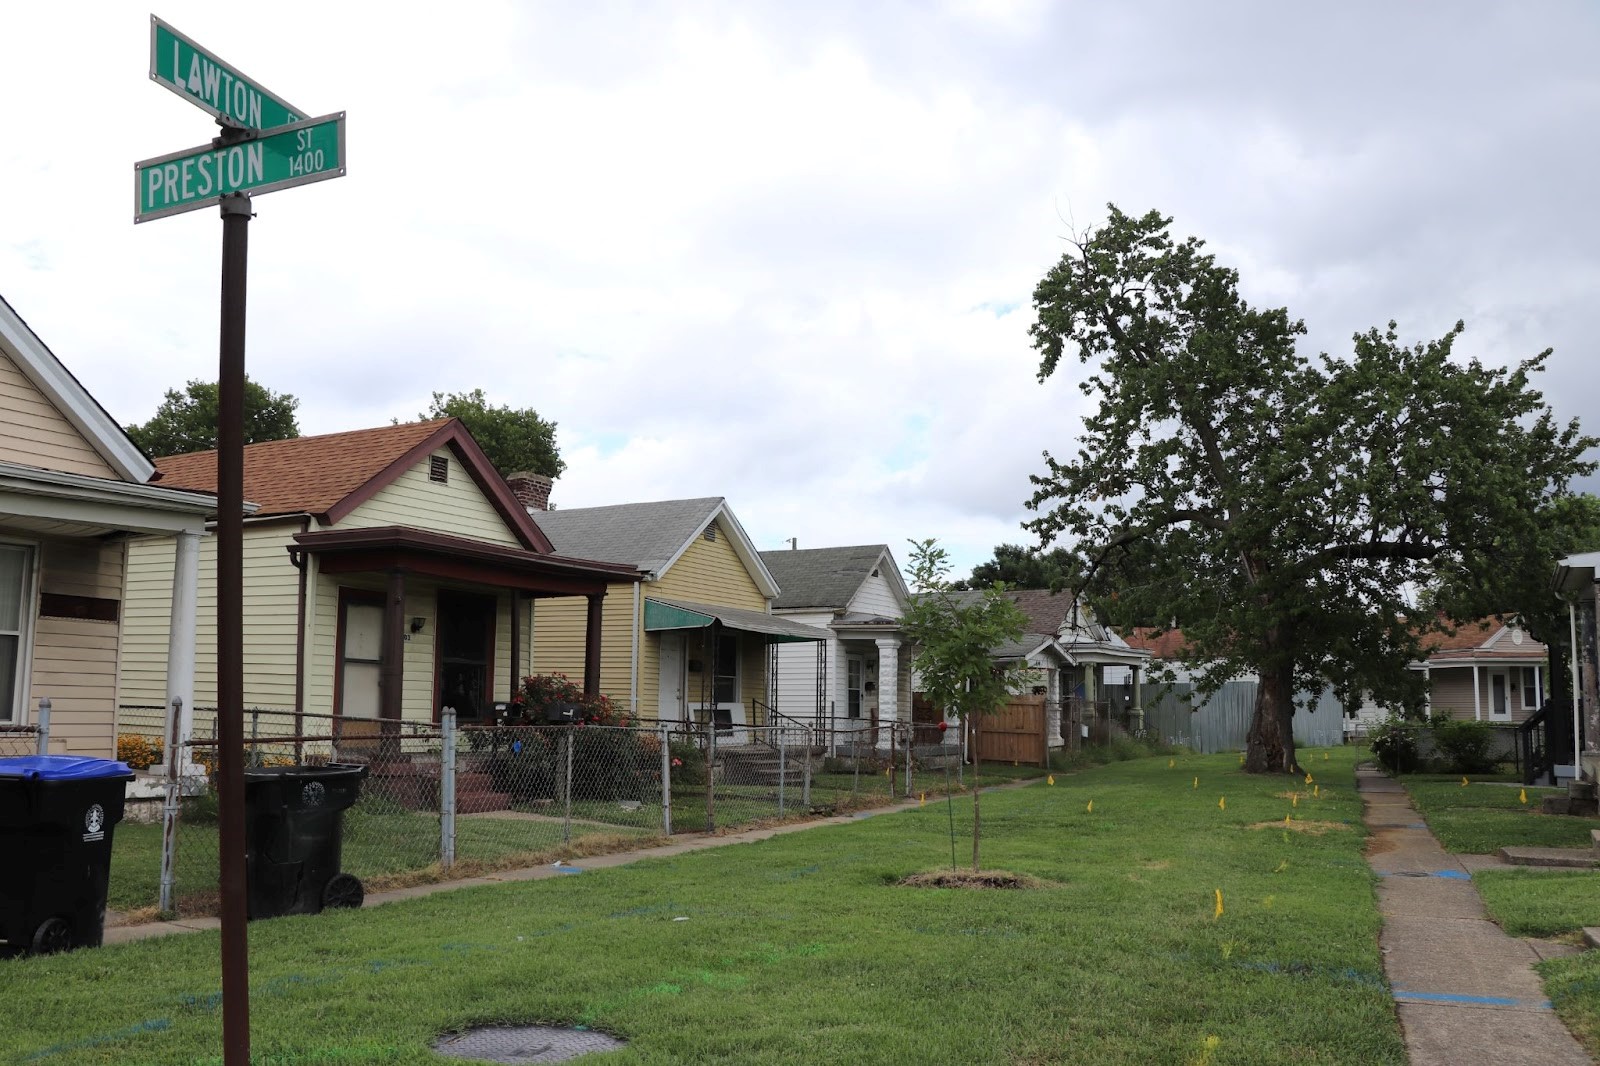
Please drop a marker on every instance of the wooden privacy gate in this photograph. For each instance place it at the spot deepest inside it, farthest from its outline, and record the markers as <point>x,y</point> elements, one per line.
<point>1015,733</point>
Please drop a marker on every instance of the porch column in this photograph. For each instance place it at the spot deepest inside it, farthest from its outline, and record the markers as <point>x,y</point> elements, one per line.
<point>838,701</point>
<point>591,646</point>
<point>391,666</point>
<point>888,679</point>
<point>1477,696</point>
<point>515,680</point>
<point>180,637</point>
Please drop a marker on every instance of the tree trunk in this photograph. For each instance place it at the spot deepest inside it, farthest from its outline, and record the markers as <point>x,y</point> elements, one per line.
<point>977,787</point>
<point>1270,743</point>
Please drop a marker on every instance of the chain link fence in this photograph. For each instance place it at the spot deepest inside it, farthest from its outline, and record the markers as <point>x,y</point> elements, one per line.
<point>441,800</point>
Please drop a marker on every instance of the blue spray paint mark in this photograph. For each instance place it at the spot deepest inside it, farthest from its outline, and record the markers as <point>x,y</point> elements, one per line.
<point>1406,996</point>
<point>1452,875</point>
<point>152,1025</point>
<point>569,869</point>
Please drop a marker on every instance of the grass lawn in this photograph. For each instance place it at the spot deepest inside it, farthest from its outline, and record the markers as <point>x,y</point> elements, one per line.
<point>803,949</point>
<point>1481,817</point>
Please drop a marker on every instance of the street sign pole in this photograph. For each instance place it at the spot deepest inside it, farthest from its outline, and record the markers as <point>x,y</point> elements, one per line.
<point>230,632</point>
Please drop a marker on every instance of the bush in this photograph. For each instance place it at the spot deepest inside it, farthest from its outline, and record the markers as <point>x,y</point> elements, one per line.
<point>140,753</point>
<point>1465,747</point>
<point>1395,744</point>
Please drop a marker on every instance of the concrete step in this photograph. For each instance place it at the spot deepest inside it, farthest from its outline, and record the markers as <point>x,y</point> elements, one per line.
<point>478,801</point>
<point>1575,858</point>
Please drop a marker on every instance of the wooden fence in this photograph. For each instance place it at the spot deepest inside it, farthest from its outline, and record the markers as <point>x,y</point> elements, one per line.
<point>1014,734</point>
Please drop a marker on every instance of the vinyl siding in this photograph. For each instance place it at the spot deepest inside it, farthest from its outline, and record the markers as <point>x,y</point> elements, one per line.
<point>797,669</point>
<point>457,507</point>
<point>75,660</point>
<point>875,597</point>
<point>1451,691</point>
<point>34,432</point>
<point>710,572</point>
<point>560,627</point>
<point>271,601</point>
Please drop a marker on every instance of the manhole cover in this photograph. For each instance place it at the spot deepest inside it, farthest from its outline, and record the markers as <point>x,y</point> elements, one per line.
<point>524,1044</point>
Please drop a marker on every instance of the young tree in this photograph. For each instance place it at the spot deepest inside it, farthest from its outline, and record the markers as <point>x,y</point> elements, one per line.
<point>187,421</point>
<point>954,635</point>
<point>1021,568</point>
<point>514,439</point>
<point>1277,508</point>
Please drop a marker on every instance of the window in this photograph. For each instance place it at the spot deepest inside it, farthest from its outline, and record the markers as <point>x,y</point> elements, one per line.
<point>1530,687</point>
<point>852,688</point>
<point>725,686</point>
<point>16,570</point>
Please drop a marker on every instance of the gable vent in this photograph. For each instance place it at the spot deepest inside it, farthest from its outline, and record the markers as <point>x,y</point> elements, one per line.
<point>438,469</point>
<point>710,533</point>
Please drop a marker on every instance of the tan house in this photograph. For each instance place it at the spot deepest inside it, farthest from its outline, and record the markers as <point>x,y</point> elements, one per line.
<point>388,573</point>
<point>1486,670</point>
<point>693,635</point>
<point>74,491</point>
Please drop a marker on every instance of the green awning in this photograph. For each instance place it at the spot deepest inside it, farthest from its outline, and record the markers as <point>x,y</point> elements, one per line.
<point>662,615</point>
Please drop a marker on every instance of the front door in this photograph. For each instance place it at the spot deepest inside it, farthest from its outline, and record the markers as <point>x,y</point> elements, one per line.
<point>1499,705</point>
<point>360,654</point>
<point>465,650</point>
<point>671,677</point>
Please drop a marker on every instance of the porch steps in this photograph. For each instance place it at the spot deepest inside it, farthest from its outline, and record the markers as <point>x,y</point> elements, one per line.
<point>1580,800</point>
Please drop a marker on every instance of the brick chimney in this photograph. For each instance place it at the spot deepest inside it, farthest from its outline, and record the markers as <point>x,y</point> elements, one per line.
<point>531,490</point>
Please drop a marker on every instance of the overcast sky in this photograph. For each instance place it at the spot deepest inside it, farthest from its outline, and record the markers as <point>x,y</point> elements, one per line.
<point>784,253</point>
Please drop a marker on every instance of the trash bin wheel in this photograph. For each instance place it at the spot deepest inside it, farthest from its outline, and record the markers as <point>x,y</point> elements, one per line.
<point>53,935</point>
<point>342,890</point>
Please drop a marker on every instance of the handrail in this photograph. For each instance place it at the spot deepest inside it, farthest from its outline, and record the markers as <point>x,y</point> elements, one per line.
<point>775,717</point>
<point>1533,751</point>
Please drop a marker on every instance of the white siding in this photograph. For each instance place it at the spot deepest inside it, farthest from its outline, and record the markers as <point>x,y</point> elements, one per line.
<point>876,597</point>
<point>797,669</point>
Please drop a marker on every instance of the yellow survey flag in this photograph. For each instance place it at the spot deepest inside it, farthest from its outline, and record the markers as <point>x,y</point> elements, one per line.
<point>1050,780</point>
<point>1171,763</point>
<point>1286,820</point>
<point>1308,778</point>
<point>1219,904</point>
<point>1222,803</point>
<point>1282,866</point>
<point>1324,756</point>
<point>1316,790</point>
<point>1090,807</point>
<point>1294,799</point>
<point>1523,796</point>
<point>1463,782</point>
<point>1196,783</point>
<point>922,800</point>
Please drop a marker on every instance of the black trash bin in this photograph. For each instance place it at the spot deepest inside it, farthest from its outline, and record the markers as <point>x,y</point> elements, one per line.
<point>293,821</point>
<point>57,813</point>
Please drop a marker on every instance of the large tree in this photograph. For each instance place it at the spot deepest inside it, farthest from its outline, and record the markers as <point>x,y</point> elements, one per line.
<point>187,421</point>
<point>1278,508</point>
<point>514,439</point>
<point>953,637</point>
<point>1021,568</point>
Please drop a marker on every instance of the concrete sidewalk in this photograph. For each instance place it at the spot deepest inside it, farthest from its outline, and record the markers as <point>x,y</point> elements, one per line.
<point>122,934</point>
<point>1466,992</point>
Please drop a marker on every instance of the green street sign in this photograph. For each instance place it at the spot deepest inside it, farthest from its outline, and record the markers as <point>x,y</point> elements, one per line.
<point>178,64</point>
<point>265,161</point>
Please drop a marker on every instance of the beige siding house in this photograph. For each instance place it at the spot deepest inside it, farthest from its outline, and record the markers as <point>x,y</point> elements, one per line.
<point>75,497</point>
<point>694,638</point>
<point>388,573</point>
<point>1486,671</point>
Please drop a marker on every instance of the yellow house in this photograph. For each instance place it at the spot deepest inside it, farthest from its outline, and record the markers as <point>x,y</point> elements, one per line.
<point>695,637</point>
<point>73,490</point>
<point>388,573</point>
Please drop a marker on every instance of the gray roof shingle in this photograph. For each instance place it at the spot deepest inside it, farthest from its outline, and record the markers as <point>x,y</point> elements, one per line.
<point>820,577</point>
<point>644,535</point>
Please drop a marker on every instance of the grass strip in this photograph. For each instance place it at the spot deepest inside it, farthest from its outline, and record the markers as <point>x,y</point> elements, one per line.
<point>1180,921</point>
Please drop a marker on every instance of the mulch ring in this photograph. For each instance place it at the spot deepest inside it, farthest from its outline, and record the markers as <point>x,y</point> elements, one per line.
<point>971,879</point>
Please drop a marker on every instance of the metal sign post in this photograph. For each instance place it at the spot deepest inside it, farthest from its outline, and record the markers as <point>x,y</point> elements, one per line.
<point>265,145</point>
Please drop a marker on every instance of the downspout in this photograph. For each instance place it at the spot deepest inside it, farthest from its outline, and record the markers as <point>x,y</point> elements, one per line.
<point>1577,723</point>
<point>303,563</point>
<point>1477,710</point>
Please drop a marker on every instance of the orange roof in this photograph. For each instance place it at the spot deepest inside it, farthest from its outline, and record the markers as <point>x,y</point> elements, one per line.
<point>306,475</point>
<point>1468,635</point>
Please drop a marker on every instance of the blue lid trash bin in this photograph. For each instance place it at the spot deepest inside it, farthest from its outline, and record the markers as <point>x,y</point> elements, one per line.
<point>293,835</point>
<point>57,815</point>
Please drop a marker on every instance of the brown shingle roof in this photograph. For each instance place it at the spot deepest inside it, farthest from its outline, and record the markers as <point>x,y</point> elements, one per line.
<point>1168,645</point>
<point>306,475</point>
<point>1468,635</point>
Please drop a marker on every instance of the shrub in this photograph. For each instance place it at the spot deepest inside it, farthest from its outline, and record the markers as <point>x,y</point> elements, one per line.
<point>1394,743</point>
<point>1465,747</point>
<point>140,753</point>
